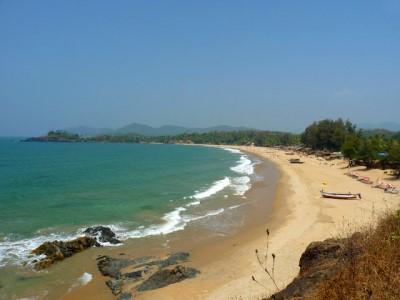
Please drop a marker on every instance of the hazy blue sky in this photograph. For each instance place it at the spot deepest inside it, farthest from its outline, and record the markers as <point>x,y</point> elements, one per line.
<point>264,64</point>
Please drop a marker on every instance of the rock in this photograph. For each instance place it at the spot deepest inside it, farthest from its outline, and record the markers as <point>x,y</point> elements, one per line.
<point>102,234</point>
<point>111,267</point>
<point>166,277</point>
<point>174,258</point>
<point>137,273</point>
<point>125,296</point>
<point>320,261</point>
<point>115,285</point>
<point>143,273</point>
<point>59,250</point>
<point>318,253</point>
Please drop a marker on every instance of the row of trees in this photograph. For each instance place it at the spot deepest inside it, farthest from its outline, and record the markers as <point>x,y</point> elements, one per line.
<point>371,150</point>
<point>256,137</point>
<point>372,147</point>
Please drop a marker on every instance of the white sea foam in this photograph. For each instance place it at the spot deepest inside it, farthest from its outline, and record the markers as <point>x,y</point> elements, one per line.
<point>81,281</point>
<point>241,185</point>
<point>216,187</point>
<point>85,278</point>
<point>209,214</point>
<point>245,166</point>
<point>19,251</point>
<point>233,150</point>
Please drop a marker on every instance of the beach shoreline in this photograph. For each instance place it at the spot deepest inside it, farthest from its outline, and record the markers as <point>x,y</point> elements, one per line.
<point>196,238</point>
<point>296,217</point>
<point>299,217</point>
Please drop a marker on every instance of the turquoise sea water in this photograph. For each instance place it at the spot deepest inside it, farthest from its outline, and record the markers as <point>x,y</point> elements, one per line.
<point>55,190</point>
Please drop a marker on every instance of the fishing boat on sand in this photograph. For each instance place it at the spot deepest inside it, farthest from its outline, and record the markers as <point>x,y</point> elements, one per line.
<point>296,161</point>
<point>345,196</point>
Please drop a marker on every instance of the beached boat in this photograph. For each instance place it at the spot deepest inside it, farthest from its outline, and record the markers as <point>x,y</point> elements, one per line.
<point>365,179</point>
<point>383,185</point>
<point>296,161</point>
<point>392,190</point>
<point>345,196</point>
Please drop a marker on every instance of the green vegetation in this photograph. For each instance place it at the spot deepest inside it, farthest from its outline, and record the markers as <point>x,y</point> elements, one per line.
<point>249,137</point>
<point>371,148</point>
<point>62,135</point>
<point>327,134</point>
<point>258,138</point>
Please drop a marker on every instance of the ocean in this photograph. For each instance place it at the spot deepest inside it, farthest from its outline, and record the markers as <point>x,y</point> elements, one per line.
<point>54,191</point>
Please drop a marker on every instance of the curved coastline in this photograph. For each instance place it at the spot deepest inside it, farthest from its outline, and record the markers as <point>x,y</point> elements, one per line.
<point>299,216</point>
<point>199,239</point>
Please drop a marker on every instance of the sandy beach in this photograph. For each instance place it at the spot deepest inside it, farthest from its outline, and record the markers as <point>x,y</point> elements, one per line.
<point>299,216</point>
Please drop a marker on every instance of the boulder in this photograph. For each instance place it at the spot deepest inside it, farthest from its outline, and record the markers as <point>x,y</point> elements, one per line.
<point>102,234</point>
<point>125,296</point>
<point>320,261</point>
<point>109,266</point>
<point>166,277</point>
<point>143,273</point>
<point>59,250</point>
<point>115,285</point>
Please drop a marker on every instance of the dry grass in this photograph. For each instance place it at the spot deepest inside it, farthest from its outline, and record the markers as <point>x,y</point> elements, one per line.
<point>372,271</point>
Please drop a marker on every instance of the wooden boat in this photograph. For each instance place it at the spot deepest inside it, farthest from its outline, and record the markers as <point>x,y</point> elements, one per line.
<point>365,179</point>
<point>296,161</point>
<point>392,190</point>
<point>383,185</point>
<point>345,196</point>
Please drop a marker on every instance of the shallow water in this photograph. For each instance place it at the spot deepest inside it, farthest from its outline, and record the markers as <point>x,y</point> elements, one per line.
<point>54,190</point>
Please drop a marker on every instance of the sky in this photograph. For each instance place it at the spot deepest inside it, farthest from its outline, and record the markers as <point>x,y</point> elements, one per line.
<point>275,65</point>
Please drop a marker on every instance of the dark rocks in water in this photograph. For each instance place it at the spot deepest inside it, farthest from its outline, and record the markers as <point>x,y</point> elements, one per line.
<point>102,234</point>
<point>115,285</point>
<point>111,267</point>
<point>125,296</point>
<point>320,261</point>
<point>59,250</point>
<point>144,273</point>
<point>166,277</point>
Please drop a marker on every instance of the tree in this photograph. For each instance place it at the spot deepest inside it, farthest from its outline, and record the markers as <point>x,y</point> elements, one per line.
<point>351,147</point>
<point>327,134</point>
<point>394,156</point>
<point>367,152</point>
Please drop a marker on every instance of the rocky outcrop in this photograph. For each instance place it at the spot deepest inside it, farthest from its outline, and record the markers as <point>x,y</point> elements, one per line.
<point>102,234</point>
<point>320,261</point>
<point>143,273</point>
<point>59,250</point>
<point>166,277</point>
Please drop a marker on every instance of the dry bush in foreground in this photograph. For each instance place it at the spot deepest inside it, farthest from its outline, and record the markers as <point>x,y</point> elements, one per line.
<point>374,273</point>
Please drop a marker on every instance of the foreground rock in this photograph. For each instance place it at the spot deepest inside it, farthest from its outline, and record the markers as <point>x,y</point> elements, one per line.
<point>59,250</point>
<point>320,261</point>
<point>102,234</point>
<point>129,276</point>
<point>166,277</point>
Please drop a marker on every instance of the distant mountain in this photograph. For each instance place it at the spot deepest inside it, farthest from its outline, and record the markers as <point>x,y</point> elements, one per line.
<point>392,126</point>
<point>135,128</point>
